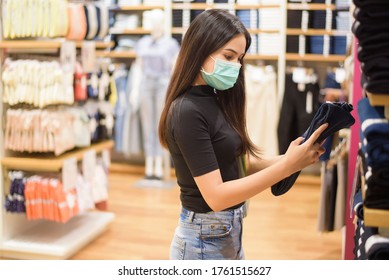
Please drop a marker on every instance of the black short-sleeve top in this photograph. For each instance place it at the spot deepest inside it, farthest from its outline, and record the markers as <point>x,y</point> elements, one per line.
<point>200,140</point>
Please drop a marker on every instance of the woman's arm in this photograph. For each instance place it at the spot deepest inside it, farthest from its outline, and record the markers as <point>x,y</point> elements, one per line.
<point>220,195</point>
<point>257,164</point>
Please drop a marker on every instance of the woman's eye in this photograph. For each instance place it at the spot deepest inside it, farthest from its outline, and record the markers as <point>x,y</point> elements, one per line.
<point>228,57</point>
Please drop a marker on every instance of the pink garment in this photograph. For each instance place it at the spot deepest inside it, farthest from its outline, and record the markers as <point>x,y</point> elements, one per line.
<point>77,22</point>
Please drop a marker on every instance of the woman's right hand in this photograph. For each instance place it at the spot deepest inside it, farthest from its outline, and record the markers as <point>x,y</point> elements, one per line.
<point>299,156</point>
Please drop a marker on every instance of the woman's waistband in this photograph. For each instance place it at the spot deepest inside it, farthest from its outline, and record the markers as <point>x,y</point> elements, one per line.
<point>226,214</point>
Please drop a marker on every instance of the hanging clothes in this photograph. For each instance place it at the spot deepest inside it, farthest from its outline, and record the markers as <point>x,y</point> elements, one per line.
<point>157,56</point>
<point>299,105</point>
<point>262,107</point>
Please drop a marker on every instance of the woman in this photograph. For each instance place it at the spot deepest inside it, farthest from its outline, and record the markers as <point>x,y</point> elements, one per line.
<point>203,125</point>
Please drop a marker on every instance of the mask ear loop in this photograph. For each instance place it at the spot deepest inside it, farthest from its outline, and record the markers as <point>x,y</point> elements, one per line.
<point>202,69</point>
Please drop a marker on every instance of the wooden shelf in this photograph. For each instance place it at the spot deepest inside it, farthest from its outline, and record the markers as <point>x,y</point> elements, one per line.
<point>376,217</point>
<point>51,163</point>
<point>181,30</point>
<point>204,6</point>
<point>135,8</point>
<point>260,6</point>
<point>46,44</point>
<point>49,240</point>
<point>116,54</point>
<point>261,31</point>
<point>132,55</point>
<point>316,32</point>
<point>315,57</point>
<point>312,7</point>
<point>260,57</point>
<point>135,31</point>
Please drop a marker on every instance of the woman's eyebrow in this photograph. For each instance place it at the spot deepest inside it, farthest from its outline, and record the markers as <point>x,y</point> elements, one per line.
<point>232,50</point>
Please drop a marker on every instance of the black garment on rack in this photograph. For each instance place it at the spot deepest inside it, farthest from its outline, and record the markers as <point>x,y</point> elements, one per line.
<point>294,118</point>
<point>294,18</point>
<point>292,44</point>
<point>377,191</point>
<point>337,115</point>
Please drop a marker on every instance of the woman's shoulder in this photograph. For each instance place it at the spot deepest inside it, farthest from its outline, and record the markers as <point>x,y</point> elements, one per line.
<point>188,107</point>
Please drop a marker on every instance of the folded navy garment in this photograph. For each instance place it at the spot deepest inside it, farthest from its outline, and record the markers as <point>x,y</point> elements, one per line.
<point>359,248</point>
<point>376,245</point>
<point>379,178</point>
<point>374,134</point>
<point>364,31</point>
<point>378,83</point>
<point>378,64</point>
<point>358,205</point>
<point>377,197</point>
<point>338,116</point>
<point>366,3</point>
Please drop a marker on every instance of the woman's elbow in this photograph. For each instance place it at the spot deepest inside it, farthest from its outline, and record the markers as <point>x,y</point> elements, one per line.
<point>216,205</point>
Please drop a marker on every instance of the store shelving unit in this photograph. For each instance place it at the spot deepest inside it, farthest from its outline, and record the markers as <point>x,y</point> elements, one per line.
<point>233,7</point>
<point>23,239</point>
<point>313,32</point>
<point>52,163</point>
<point>41,239</point>
<point>139,31</point>
<point>46,44</point>
<point>315,57</point>
<point>280,60</point>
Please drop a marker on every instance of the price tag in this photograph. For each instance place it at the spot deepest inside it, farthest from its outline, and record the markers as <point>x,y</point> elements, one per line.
<point>340,75</point>
<point>304,21</point>
<point>309,103</point>
<point>105,154</point>
<point>299,75</point>
<point>88,56</point>
<point>69,173</point>
<point>68,56</point>
<point>89,165</point>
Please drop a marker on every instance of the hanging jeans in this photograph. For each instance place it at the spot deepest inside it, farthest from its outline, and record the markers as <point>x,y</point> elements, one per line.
<point>152,100</point>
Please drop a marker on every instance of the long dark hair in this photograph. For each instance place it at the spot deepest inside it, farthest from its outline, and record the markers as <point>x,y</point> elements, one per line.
<point>208,32</point>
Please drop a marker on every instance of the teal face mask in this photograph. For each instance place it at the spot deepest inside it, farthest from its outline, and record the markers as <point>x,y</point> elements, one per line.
<point>224,74</point>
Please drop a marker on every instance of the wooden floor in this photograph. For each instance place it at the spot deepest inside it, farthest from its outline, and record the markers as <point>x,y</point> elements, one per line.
<point>277,228</point>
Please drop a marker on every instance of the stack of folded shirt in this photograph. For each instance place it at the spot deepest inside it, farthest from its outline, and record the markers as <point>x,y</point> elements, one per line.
<point>375,146</point>
<point>370,28</point>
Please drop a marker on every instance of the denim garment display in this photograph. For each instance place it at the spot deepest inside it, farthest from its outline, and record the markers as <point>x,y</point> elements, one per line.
<point>374,134</point>
<point>375,150</point>
<point>338,116</point>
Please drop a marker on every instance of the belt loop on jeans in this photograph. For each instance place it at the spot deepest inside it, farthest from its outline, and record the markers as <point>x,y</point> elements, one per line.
<point>245,207</point>
<point>191,216</point>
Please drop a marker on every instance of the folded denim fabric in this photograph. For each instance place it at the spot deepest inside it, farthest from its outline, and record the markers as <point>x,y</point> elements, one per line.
<point>374,134</point>
<point>378,83</point>
<point>376,245</point>
<point>337,115</point>
<point>377,16</point>
<point>358,205</point>
<point>375,46</point>
<point>359,248</point>
<point>364,30</point>
<point>377,194</point>
<point>366,3</point>
<point>375,65</point>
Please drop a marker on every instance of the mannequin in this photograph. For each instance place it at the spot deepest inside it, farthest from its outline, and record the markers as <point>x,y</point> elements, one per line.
<point>156,53</point>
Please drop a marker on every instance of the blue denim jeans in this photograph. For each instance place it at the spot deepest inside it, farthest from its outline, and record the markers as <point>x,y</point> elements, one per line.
<point>209,236</point>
